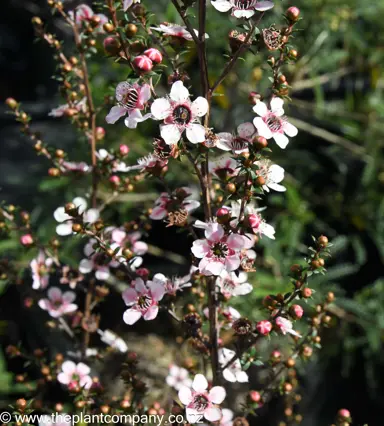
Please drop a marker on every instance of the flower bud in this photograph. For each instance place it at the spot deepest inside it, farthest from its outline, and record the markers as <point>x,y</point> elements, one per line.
<point>154,55</point>
<point>322,241</point>
<point>108,27</point>
<point>130,30</point>
<point>344,415</point>
<point>115,180</point>
<point>36,21</point>
<point>223,215</point>
<point>123,149</point>
<point>264,327</point>
<point>231,188</point>
<point>330,297</point>
<point>11,103</point>
<point>293,54</point>
<point>143,64</point>
<point>296,311</point>
<point>275,356</point>
<point>293,14</point>
<point>26,240</point>
<point>111,46</point>
<point>260,142</point>
<point>21,403</point>
<point>306,293</point>
<point>255,396</point>
<point>100,133</point>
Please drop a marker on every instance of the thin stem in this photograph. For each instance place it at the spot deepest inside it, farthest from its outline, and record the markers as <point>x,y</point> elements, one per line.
<point>213,329</point>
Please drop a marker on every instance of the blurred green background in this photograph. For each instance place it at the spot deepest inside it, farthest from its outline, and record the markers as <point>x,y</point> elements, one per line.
<point>334,175</point>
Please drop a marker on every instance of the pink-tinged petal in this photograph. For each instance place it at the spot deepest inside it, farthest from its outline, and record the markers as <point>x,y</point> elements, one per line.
<point>69,297</point>
<point>214,232</point>
<point>179,92</point>
<point>170,133</point>
<point>199,106</point>
<point>85,266</point>
<point>243,13</point>
<point>275,173</point>
<point>68,367</point>
<point>191,205</point>
<point>232,263</point>
<point>83,369</point>
<point>236,241</point>
<point>246,130</point>
<point>229,375</point>
<point>242,377</point>
<point>129,296</point>
<point>118,236</point>
<point>222,5</point>
<point>151,313</point>
<point>185,395</point>
<point>262,6</point>
<point>196,133</point>
<point>213,268</point>
<point>44,304</point>
<point>160,108</point>
<point>64,229</point>
<point>217,394</point>
<point>200,248</point>
<point>249,241</point>
<point>140,286</point>
<point>194,416</point>
<point>262,128</point>
<point>290,129</point>
<point>158,213</point>
<point>261,109</point>
<point>243,289</point>
<point>157,290</point>
<point>54,293</point>
<point>145,93</point>
<point>131,316</point>
<point>91,215</point>
<point>127,4</point>
<point>115,113</point>
<point>63,378</point>
<point>102,273</point>
<point>85,382</point>
<point>212,414</point>
<point>224,142</point>
<point>281,140</point>
<point>200,383</point>
<point>135,117</point>
<point>67,309</point>
<point>277,105</point>
<point>140,248</point>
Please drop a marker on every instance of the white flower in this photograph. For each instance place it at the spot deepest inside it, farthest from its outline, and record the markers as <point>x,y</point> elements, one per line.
<point>40,271</point>
<point>233,373</point>
<point>180,114</point>
<point>242,8</point>
<point>272,173</point>
<point>113,340</point>
<point>232,285</point>
<point>175,30</point>
<point>237,144</point>
<point>65,227</point>
<point>272,123</point>
<point>178,377</point>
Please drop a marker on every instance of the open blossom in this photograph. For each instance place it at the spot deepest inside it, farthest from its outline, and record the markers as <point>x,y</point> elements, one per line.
<point>242,8</point>
<point>95,261</point>
<point>79,106</point>
<point>223,167</point>
<point>71,166</point>
<point>174,284</point>
<point>218,251</point>
<point>178,377</point>
<point>113,340</point>
<point>176,30</point>
<point>131,100</point>
<point>273,175</point>
<point>40,267</point>
<point>58,303</point>
<point>180,114</point>
<point>178,201</point>
<point>233,373</point>
<point>285,326</point>
<point>272,123</point>
<point>73,375</point>
<point>143,300</point>
<point>70,276</point>
<point>66,222</point>
<point>85,14</point>
<point>231,284</point>
<point>237,144</point>
<point>128,3</point>
<point>199,402</point>
<point>131,240</point>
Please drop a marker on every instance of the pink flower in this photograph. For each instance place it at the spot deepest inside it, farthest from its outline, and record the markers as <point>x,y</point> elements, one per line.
<point>296,311</point>
<point>218,252</point>
<point>176,31</point>
<point>154,55</point>
<point>231,284</point>
<point>260,226</point>
<point>237,144</point>
<point>26,240</point>
<point>264,327</point>
<point>272,123</point>
<point>130,240</point>
<point>178,377</point>
<point>199,402</point>
<point>131,99</point>
<point>143,299</point>
<point>73,375</point>
<point>167,203</point>
<point>233,373</point>
<point>58,304</point>
<point>40,271</point>
<point>142,63</point>
<point>242,8</point>
<point>272,173</point>
<point>128,3</point>
<point>84,14</point>
<point>180,114</point>
<point>285,326</point>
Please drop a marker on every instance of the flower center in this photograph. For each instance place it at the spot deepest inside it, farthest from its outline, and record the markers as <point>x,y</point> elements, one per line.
<point>75,377</point>
<point>239,144</point>
<point>182,115</point>
<point>144,301</point>
<point>243,4</point>
<point>274,123</point>
<point>57,304</point>
<point>200,402</point>
<point>229,285</point>
<point>220,250</point>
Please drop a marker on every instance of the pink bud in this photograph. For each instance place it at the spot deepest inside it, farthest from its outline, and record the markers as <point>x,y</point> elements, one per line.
<point>154,55</point>
<point>296,311</point>
<point>26,240</point>
<point>344,414</point>
<point>100,133</point>
<point>255,396</point>
<point>254,221</point>
<point>142,272</point>
<point>293,13</point>
<point>115,180</point>
<point>222,212</point>
<point>143,63</point>
<point>264,327</point>
<point>111,46</point>
<point>28,302</point>
<point>124,149</point>
<point>275,355</point>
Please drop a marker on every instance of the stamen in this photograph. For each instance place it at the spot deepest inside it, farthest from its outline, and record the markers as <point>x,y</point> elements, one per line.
<point>182,115</point>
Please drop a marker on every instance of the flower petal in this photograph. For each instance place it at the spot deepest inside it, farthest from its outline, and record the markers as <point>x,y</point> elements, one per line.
<point>217,394</point>
<point>69,296</point>
<point>246,130</point>
<point>85,266</point>
<point>261,109</point>
<point>240,13</point>
<point>229,375</point>
<point>277,105</point>
<point>151,313</point>
<point>221,5</point>
<point>83,369</point>
<point>129,296</point>
<point>158,213</point>
<point>185,395</point>
<point>160,108</point>
<point>54,293</point>
<point>199,106</point>
<point>290,129</point>
<point>200,383</point>
<point>196,133</point>
<point>115,113</point>
<point>262,128</point>
<point>262,6</point>
<point>170,133</point>
<point>212,414</point>
<point>179,92</point>
<point>131,316</point>
<point>68,367</point>
<point>281,140</point>
<point>200,248</point>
